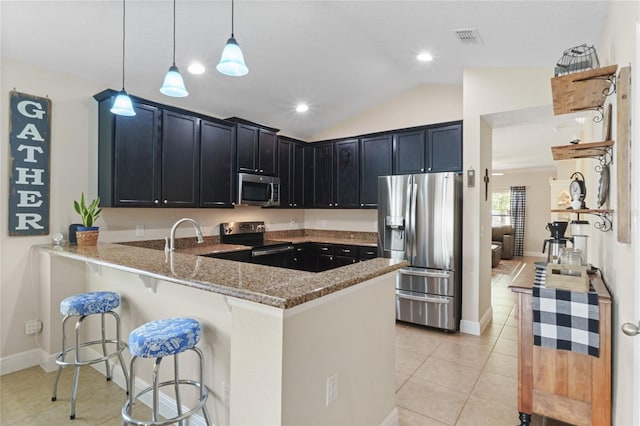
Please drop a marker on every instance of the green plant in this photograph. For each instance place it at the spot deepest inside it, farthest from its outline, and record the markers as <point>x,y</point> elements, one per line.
<point>89,213</point>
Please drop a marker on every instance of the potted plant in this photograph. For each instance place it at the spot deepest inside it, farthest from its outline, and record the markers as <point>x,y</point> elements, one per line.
<point>87,234</point>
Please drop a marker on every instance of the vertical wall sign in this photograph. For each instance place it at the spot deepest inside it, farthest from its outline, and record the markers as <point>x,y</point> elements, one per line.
<point>29,182</point>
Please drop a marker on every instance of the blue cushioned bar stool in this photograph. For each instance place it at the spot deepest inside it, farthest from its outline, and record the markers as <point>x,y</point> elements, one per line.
<point>158,339</point>
<point>81,306</point>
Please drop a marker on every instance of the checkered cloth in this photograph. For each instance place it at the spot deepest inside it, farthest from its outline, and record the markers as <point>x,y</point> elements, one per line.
<point>565,319</point>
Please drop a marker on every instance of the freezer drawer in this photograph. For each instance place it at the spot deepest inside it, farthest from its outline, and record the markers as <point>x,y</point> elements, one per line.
<point>422,280</point>
<point>426,309</point>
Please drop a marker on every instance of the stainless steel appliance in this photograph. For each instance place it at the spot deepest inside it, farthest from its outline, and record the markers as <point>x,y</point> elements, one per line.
<point>258,190</point>
<point>420,220</point>
<point>557,242</point>
<point>264,252</point>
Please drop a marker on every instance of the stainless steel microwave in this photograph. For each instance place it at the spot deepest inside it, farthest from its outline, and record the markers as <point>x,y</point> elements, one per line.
<point>257,190</point>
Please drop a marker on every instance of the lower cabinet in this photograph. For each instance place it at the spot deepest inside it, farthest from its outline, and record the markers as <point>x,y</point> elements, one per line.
<point>318,257</point>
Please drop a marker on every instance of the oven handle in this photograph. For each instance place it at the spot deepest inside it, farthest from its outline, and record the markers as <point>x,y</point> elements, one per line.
<point>268,251</point>
<point>426,299</point>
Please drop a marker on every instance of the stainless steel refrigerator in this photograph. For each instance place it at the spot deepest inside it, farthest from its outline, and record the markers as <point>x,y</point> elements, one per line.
<point>420,220</point>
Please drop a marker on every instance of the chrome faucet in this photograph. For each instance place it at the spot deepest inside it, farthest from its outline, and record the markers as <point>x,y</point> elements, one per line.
<point>170,245</point>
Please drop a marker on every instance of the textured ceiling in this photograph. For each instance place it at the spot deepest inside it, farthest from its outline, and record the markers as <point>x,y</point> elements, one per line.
<point>340,57</point>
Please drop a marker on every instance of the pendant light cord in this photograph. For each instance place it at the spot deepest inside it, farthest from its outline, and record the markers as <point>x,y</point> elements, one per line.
<point>174,33</point>
<point>123,38</point>
<point>232,19</point>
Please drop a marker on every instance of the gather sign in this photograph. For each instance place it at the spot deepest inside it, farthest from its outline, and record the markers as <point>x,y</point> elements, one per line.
<point>29,179</point>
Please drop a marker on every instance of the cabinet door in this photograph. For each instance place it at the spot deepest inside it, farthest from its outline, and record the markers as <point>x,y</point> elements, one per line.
<point>444,148</point>
<point>285,149</point>
<point>217,149</point>
<point>346,187</point>
<point>323,175</point>
<point>298,175</point>
<point>409,152</point>
<point>135,178</point>
<point>375,160</point>
<point>180,165</point>
<point>247,148</point>
<point>267,153</point>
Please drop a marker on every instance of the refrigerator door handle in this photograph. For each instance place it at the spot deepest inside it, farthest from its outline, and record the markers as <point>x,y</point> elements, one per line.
<point>425,299</point>
<point>412,230</point>
<point>431,274</point>
<point>408,222</point>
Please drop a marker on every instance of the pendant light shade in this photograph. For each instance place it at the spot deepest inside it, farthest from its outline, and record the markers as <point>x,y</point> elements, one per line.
<point>232,60</point>
<point>122,104</point>
<point>173,84</point>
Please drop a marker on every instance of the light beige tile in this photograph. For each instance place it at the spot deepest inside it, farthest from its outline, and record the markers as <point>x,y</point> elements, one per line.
<point>407,362</point>
<point>510,333</point>
<point>499,318</point>
<point>501,309</point>
<point>477,412</point>
<point>497,388</point>
<point>506,347</point>
<point>409,418</point>
<point>512,321</point>
<point>468,355</point>
<point>502,364</point>
<point>416,340</point>
<point>401,378</point>
<point>438,402</point>
<point>449,374</point>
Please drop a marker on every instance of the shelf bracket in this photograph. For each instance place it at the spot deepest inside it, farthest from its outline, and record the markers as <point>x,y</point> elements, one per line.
<point>604,224</point>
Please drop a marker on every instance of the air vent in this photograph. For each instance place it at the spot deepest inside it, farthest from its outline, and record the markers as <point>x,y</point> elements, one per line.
<point>468,36</point>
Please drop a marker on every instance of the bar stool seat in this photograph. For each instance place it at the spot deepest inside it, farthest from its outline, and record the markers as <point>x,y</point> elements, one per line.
<point>158,339</point>
<point>83,305</point>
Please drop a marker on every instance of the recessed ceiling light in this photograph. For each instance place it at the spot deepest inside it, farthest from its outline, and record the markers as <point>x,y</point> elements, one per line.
<point>302,108</point>
<point>196,68</point>
<point>425,57</point>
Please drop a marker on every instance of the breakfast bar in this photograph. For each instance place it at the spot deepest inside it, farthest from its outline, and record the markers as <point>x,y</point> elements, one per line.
<point>273,337</point>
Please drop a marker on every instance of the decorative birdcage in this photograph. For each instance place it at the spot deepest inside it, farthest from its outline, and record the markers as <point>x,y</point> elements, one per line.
<point>576,59</point>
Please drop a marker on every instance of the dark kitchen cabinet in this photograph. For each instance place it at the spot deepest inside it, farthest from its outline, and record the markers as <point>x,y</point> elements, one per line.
<point>375,160</point>
<point>291,170</point>
<point>257,149</point>
<point>322,167</point>
<point>300,258</point>
<point>180,160</point>
<point>444,148</point>
<point>217,156</point>
<point>129,155</point>
<point>409,152</point>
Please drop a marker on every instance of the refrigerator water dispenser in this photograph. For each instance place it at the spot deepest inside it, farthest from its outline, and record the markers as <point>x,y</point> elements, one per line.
<point>394,233</point>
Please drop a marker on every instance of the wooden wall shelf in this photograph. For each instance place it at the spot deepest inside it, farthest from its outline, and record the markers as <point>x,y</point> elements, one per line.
<point>581,150</point>
<point>582,90</point>
<point>604,224</point>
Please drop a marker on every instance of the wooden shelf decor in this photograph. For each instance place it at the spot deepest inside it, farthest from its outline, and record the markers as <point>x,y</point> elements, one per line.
<point>583,150</point>
<point>605,224</point>
<point>583,90</point>
<point>623,151</point>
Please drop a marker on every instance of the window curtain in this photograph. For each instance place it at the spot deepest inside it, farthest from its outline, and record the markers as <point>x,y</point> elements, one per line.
<point>518,217</point>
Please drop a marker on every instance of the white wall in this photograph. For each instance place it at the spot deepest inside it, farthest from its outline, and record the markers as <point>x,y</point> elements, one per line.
<point>537,215</point>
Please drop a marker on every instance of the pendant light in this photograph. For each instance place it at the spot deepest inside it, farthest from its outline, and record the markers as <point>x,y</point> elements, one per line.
<point>122,104</point>
<point>232,61</point>
<point>173,84</point>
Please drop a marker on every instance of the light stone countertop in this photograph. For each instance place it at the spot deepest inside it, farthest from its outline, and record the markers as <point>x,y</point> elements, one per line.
<point>277,287</point>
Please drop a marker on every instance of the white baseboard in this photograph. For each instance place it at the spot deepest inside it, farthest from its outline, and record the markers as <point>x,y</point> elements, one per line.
<point>486,320</point>
<point>470,327</point>
<point>392,418</point>
<point>17,362</point>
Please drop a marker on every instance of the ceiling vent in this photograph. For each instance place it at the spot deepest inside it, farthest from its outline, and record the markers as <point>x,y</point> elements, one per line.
<point>468,36</point>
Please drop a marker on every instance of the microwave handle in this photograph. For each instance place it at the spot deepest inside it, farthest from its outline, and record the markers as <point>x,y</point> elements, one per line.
<point>271,192</point>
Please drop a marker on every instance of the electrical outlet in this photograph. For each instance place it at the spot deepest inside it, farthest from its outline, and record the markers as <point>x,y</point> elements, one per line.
<point>332,389</point>
<point>139,230</point>
<point>32,327</point>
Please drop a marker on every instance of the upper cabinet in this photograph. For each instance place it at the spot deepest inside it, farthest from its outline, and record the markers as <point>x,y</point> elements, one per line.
<point>335,174</point>
<point>375,160</point>
<point>291,170</point>
<point>257,148</point>
<point>435,148</point>
<point>322,175</point>
<point>163,157</point>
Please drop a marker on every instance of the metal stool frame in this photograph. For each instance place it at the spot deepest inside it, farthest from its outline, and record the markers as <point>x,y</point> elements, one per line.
<point>77,362</point>
<point>155,389</point>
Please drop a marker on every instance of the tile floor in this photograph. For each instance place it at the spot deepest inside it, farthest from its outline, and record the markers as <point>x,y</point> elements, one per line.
<point>441,378</point>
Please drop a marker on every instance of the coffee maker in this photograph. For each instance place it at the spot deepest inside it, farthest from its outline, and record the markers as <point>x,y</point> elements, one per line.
<point>557,242</point>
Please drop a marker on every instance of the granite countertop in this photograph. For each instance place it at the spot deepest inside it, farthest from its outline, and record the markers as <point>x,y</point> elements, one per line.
<point>277,287</point>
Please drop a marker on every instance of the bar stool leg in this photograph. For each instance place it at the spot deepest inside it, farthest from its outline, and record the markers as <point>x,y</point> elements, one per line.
<point>176,386</point>
<point>207,420</point>
<point>156,389</point>
<point>76,371</point>
<point>104,348</point>
<point>54,394</point>
<point>120,358</point>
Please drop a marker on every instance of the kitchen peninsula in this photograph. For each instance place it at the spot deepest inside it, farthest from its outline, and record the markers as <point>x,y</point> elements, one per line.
<point>272,337</point>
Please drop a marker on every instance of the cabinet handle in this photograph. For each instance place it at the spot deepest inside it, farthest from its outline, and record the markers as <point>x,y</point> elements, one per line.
<point>354,260</point>
<point>346,251</point>
<point>330,204</point>
<point>335,205</point>
<point>324,248</point>
<point>295,205</point>
<point>361,204</point>
<point>255,170</point>
<point>156,202</point>
<point>422,169</point>
<point>261,171</point>
<point>165,201</point>
<point>429,169</point>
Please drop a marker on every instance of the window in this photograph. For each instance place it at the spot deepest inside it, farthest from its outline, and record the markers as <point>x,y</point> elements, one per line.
<point>501,208</point>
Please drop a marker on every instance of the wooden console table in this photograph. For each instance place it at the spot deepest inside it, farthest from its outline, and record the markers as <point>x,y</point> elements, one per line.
<point>567,386</point>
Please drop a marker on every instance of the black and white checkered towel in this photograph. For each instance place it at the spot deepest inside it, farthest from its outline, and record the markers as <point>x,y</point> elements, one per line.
<point>565,319</point>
